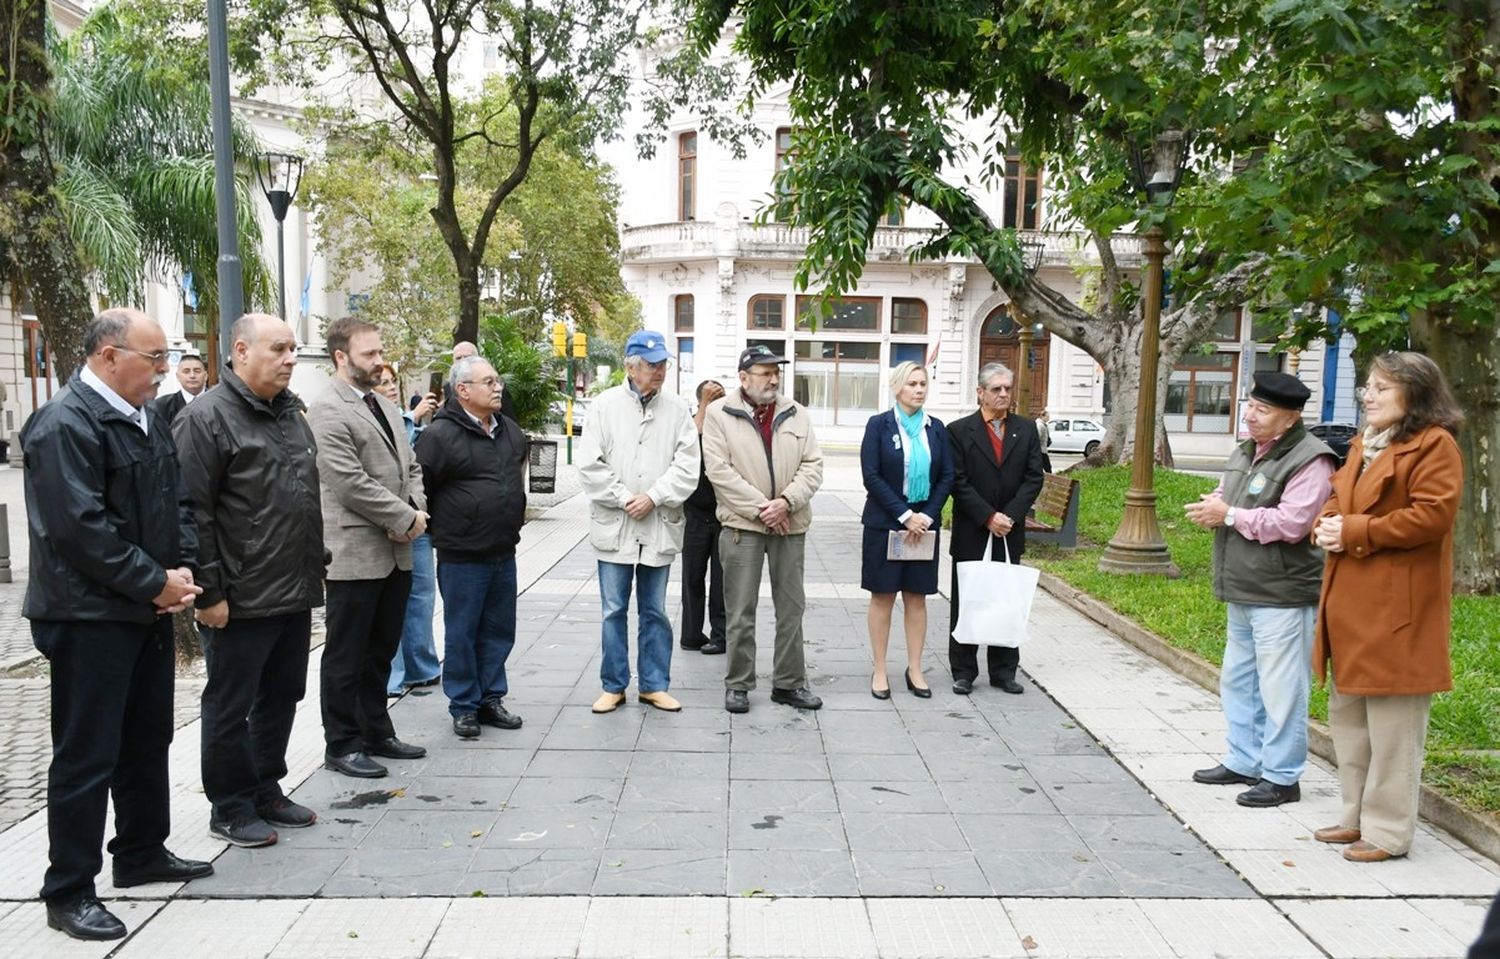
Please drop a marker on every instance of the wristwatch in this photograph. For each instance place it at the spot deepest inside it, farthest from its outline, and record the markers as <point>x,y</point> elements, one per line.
<point>1229,517</point>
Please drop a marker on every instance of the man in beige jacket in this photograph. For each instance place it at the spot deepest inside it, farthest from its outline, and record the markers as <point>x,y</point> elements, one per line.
<point>765,465</point>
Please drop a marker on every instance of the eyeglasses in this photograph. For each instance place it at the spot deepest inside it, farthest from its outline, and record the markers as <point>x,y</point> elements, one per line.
<point>1371,391</point>
<point>157,358</point>
<point>997,389</point>
<point>488,382</point>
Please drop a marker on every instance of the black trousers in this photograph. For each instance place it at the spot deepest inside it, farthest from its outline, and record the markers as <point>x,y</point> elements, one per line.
<point>365,619</point>
<point>700,560</point>
<point>257,673</point>
<point>111,728</point>
<point>963,659</point>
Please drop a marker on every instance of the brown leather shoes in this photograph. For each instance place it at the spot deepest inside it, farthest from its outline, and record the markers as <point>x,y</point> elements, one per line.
<point>1337,835</point>
<point>1362,851</point>
<point>662,700</point>
<point>608,702</point>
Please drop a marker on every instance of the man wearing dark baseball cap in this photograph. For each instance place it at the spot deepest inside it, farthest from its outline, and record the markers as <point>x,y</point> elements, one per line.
<point>1268,572</point>
<point>760,453</point>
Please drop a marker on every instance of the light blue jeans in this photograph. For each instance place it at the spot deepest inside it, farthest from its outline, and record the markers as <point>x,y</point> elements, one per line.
<point>1264,685</point>
<point>654,642</point>
<point>416,658</point>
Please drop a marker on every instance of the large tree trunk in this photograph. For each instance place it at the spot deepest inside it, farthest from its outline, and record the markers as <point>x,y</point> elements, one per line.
<point>42,255</point>
<point>1471,361</point>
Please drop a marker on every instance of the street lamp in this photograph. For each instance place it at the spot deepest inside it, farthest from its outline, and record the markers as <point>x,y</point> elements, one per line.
<point>278,175</point>
<point>1138,546</point>
<point>1031,260</point>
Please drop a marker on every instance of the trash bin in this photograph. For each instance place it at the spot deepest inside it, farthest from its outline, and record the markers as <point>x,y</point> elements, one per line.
<point>543,466</point>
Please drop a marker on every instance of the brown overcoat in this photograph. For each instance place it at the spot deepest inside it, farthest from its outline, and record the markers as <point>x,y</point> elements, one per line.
<point>1386,607</point>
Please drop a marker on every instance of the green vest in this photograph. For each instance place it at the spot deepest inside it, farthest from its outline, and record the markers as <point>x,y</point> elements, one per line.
<point>1267,574</point>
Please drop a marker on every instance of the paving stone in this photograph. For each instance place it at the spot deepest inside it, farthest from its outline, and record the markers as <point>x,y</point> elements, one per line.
<point>680,766</point>
<point>576,763</point>
<point>1020,833</point>
<point>1111,834</point>
<point>791,830</point>
<point>650,829</point>
<point>1460,918</point>
<point>898,797</point>
<point>1086,928</point>
<point>1185,873</point>
<point>535,871</point>
<point>224,929</point>
<point>920,873</point>
<point>862,767</point>
<point>452,761</point>
<point>1051,873</point>
<point>791,872</point>
<point>1108,799</point>
<point>1018,794</point>
<point>675,794</point>
<point>1314,870</point>
<point>430,829</point>
<point>800,929</point>
<point>782,798</point>
<point>770,765</point>
<point>24,931</point>
<point>362,929</point>
<point>539,927</point>
<point>461,793</point>
<point>894,831</point>
<point>666,928</point>
<point>549,827</point>
<point>564,791</point>
<point>1372,929</point>
<point>253,873</point>
<point>397,873</point>
<point>943,929</point>
<point>658,872</point>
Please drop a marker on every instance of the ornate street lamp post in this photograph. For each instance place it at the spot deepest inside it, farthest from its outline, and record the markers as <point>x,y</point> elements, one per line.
<point>1138,546</point>
<point>278,175</point>
<point>1031,260</point>
<point>231,282</point>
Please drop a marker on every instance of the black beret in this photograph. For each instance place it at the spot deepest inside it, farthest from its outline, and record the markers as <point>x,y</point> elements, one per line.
<point>1281,390</point>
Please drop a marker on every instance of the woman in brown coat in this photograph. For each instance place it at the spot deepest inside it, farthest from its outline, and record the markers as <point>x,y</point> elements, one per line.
<point>1385,612</point>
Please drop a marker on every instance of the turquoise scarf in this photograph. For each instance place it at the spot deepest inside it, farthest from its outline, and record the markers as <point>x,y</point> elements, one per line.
<point>918,459</point>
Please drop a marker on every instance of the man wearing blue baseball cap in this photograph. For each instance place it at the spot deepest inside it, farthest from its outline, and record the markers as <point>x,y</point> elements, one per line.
<point>638,465</point>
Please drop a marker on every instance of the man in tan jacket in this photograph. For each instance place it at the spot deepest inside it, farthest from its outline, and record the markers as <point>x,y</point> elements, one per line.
<point>765,465</point>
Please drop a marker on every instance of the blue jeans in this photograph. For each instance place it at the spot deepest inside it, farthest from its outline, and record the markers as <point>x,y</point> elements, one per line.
<point>1264,685</point>
<point>653,645</point>
<point>479,629</point>
<point>416,658</point>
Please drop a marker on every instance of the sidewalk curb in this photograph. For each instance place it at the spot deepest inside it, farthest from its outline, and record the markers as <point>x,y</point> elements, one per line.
<point>1479,831</point>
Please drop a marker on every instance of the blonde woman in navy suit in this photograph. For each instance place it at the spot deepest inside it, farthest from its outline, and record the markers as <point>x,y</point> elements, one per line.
<point>908,470</point>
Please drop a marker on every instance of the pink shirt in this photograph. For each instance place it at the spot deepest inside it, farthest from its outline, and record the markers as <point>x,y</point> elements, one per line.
<point>1302,500</point>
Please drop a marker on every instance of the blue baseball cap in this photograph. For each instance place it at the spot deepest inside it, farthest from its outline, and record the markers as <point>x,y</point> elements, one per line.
<point>648,345</point>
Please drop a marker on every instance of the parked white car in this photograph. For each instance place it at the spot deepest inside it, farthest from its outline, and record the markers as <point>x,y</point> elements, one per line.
<point>1075,436</point>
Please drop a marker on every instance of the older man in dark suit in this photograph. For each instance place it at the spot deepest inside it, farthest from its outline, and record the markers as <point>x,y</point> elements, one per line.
<point>373,507</point>
<point>997,476</point>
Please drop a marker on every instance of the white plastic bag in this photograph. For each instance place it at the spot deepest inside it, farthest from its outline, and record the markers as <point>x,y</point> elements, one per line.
<point>994,599</point>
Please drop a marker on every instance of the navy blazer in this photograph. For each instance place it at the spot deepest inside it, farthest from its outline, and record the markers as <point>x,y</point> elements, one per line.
<point>884,467</point>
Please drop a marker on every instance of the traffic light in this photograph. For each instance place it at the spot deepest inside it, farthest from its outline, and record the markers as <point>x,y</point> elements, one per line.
<point>559,339</point>
<point>580,345</point>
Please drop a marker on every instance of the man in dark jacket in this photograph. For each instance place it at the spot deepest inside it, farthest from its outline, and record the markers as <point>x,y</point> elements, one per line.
<point>248,462</point>
<point>997,476</point>
<point>112,546</point>
<point>192,376</point>
<point>473,467</point>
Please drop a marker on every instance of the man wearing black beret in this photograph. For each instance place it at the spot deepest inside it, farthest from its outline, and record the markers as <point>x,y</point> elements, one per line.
<point>1268,572</point>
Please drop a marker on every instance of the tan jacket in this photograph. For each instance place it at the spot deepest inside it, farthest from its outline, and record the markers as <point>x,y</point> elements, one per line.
<point>745,476</point>
<point>1386,609</point>
<point>368,485</point>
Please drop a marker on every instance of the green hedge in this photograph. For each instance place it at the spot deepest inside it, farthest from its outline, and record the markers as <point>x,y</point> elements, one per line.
<point>1463,746</point>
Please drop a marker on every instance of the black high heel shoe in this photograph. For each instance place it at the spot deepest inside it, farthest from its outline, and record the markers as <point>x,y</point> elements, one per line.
<point>921,692</point>
<point>880,693</point>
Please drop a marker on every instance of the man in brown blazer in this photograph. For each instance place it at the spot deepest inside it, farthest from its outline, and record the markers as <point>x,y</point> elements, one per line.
<point>373,507</point>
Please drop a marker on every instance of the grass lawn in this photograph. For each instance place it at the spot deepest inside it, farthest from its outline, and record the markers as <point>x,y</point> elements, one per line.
<point>1463,745</point>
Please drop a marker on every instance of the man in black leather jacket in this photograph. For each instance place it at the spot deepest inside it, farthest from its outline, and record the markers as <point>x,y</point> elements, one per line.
<point>249,465</point>
<point>112,546</point>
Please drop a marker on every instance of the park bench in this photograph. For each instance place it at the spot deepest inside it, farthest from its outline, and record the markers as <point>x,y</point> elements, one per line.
<point>1059,499</point>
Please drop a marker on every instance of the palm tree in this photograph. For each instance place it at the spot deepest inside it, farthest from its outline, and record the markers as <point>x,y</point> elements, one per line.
<point>130,139</point>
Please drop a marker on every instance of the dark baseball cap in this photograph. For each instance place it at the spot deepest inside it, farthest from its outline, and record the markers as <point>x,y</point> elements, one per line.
<point>758,355</point>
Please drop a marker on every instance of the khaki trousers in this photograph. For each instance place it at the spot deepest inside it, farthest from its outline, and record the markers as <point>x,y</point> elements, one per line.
<point>743,554</point>
<point>1380,742</point>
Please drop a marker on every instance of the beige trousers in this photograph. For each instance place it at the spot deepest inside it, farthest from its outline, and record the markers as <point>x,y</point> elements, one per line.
<point>1380,742</point>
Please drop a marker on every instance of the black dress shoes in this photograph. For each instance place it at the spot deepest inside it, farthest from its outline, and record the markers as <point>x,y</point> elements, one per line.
<point>801,697</point>
<point>393,748</point>
<point>713,648</point>
<point>85,918</point>
<point>736,701</point>
<point>963,687</point>
<point>495,714</point>
<point>165,868</point>
<point>466,726</point>
<point>355,764</point>
<point>1265,794</point>
<point>1223,776</point>
<point>1008,685</point>
<point>692,644</point>
<point>921,692</point>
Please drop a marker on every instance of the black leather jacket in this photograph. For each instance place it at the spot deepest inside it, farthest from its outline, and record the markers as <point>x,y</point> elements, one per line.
<point>250,469</point>
<point>475,485</point>
<point>105,511</point>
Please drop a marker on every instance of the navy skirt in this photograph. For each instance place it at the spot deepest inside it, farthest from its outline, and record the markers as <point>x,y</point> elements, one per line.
<point>880,575</point>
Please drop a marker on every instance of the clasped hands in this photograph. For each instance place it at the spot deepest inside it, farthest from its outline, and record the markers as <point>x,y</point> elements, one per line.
<point>916,524</point>
<point>1329,533</point>
<point>777,515</point>
<point>178,593</point>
